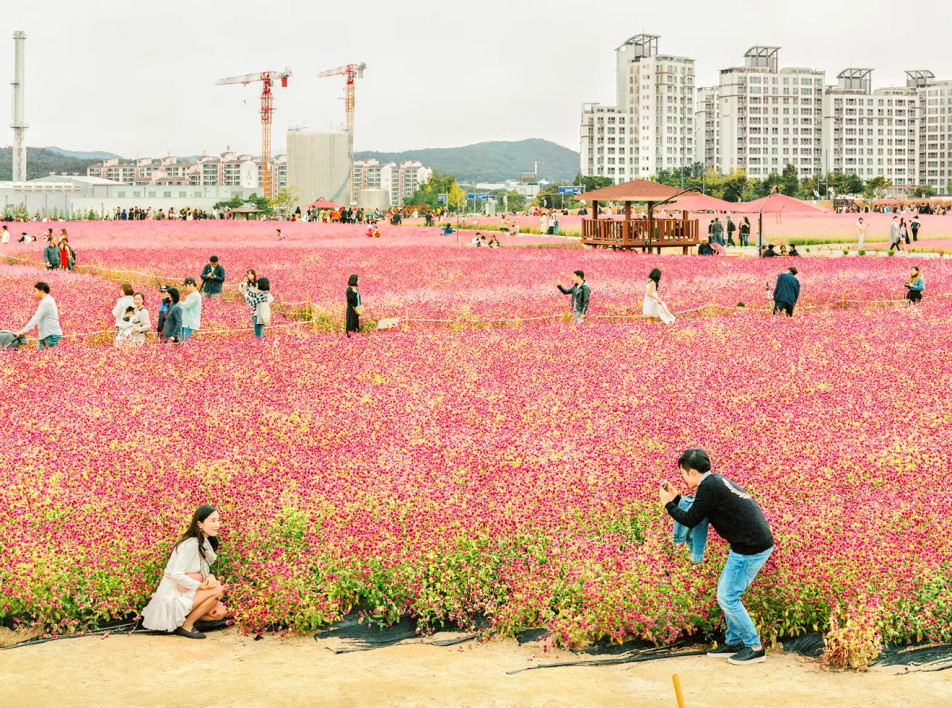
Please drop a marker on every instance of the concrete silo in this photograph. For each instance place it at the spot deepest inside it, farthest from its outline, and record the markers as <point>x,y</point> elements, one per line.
<point>319,165</point>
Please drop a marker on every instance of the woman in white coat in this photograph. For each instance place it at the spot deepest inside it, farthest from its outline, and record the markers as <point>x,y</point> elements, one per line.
<point>188,591</point>
<point>654,307</point>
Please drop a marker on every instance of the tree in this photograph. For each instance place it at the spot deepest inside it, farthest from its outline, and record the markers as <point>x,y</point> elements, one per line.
<point>738,187</point>
<point>790,181</point>
<point>591,183</point>
<point>510,199</point>
<point>456,197</point>
<point>261,203</point>
<point>285,201</point>
<point>428,193</point>
<point>922,191</point>
<point>877,187</point>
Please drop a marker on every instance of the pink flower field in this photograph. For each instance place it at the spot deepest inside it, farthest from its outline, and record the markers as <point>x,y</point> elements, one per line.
<point>461,469</point>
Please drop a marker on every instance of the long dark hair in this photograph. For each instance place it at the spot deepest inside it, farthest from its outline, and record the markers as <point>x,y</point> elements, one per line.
<point>193,531</point>
<point>655,275</point>
<point>352,281</point>
<point>254,275</point>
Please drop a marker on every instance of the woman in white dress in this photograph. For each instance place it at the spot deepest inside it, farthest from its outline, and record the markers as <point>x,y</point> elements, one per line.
<point>188,591</point>
<point>654,307</point>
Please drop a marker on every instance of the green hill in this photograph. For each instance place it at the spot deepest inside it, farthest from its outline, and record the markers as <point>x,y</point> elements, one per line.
<point>493,161</point>
<point>40,162</point>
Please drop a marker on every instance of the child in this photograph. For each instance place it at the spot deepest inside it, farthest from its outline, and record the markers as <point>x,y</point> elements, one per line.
<point>125,327</point>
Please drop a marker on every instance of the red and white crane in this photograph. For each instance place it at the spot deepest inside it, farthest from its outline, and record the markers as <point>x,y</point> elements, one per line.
<point>267,79</point>
<point>351,72</point>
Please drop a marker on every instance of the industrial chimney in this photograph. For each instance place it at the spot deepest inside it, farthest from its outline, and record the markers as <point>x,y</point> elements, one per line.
<point>19,119</point>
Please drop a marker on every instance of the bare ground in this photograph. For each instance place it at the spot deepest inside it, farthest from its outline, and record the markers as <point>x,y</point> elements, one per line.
<point>229,669</point>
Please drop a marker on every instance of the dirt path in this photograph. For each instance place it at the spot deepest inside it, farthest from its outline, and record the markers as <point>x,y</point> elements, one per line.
<point>230,669</point>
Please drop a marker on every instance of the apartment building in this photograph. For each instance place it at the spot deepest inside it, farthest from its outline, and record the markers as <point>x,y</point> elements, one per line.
<point>230,169</point>
<point>651,126</point>
<point>769,117</point>
<point>400,181</point>
<point>935,128</point>
<point>707,145</point>
<point>871,133</point>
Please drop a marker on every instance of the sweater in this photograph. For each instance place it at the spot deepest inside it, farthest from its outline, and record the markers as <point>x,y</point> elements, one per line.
<point>212,279</point>
<point>730,510</point>
<point>122,304</point>
<point>192,311</point>
<point>46,318</point>
<point>185,559</point>
<point>787,289</point>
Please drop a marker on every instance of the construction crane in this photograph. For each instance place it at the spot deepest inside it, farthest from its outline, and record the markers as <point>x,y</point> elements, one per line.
<point>267,79</point>
<point>352,72</point>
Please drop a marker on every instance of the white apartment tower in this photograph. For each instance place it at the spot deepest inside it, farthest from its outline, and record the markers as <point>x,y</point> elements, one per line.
<point>871,133</point>
<point>935,128</point>
<point>769,117</point>
<point>707,144</point>
<point>651,126</point>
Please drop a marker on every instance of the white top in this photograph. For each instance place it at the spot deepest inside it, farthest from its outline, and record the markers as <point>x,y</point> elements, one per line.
<point>650,308</point>
<point>185,559</point>
<point>46,318</point>
<point>122,304</point>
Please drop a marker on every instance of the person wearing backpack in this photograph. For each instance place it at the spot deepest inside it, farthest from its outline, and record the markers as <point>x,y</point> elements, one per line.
<point>731,228</point>
<point>51,254</point>
<point>259,298</point>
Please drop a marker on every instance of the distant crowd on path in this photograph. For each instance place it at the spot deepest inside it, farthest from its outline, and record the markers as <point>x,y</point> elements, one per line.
<point>919,208</point>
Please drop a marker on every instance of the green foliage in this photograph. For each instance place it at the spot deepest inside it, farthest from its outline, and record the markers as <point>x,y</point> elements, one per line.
<point>492,161</point>
<point>259,202</point>
<point>510,199</point>
<point>40,162</point>
<point>15,211</point>
<point>285,201</point>
<point>922,191</point>
<point>876,187</point>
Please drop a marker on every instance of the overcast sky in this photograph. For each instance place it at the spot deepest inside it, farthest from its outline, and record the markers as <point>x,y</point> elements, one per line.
<point>138,79</point>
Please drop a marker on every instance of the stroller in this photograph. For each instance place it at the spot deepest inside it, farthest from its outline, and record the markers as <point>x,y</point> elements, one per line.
<point>8,341</point>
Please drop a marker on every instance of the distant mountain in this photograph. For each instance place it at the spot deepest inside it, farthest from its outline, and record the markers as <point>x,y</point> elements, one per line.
<point>41,161</point>
<point>98,156</point>
<point>492,162</point>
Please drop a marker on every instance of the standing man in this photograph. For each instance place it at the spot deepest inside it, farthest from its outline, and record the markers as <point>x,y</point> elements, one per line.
<point>786,292</point>
<point>737,519</point>
<point>191,308</point>
<point>51,254</point>
<point>717,231</point>
<point>894,234</point>
<point>860,234</point>
<point>46,318</point>
<point>580,293</point>
<point>914,225</point>
<point>213,277</point>
<point>731,228</point>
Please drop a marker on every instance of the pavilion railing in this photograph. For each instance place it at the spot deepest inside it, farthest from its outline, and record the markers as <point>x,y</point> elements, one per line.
<point>635,233</point>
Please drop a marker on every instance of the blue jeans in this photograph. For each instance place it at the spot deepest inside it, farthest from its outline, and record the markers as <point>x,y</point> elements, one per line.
<point>49,342</point>
<point>739,572</point>
<point>259,329</point>
<point>696,538</point>
<point>186,332</point>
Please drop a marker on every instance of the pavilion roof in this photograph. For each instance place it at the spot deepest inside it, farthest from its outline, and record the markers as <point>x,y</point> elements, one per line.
<point>639,190</point>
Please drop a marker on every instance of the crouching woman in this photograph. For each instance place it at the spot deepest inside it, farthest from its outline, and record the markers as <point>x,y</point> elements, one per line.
<point>188,591</point>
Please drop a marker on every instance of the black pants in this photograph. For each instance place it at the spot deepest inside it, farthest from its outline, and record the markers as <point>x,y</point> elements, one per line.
<point>914,296</point>
<point>783,307</point>
<point>915,234</point>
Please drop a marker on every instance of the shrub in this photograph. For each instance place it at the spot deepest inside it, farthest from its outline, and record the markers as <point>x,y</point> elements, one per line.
<point>854,639</point>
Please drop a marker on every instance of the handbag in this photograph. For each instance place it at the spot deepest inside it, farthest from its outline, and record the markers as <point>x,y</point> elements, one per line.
<point>358,308</point>
<point>194,576</point>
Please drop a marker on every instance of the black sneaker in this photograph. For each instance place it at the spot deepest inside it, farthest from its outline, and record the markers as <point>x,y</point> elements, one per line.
<point>748,656</point>
<point>726,650</point>
<point>190,633</point>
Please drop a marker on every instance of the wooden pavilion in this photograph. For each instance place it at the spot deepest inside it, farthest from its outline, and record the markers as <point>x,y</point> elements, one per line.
<point>644,233</point>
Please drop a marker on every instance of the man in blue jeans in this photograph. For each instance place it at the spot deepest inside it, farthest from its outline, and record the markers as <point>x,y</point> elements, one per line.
<point>46,319</point>
<point>739,521</point>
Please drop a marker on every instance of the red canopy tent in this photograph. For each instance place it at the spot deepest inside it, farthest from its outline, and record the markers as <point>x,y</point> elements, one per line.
<point>322,204</point>
<point>778,204</point>
<point>701,202</point>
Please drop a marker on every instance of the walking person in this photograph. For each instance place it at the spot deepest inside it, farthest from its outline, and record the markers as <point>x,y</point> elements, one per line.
<point>51,254</point>
<point>860,234</point>
<point>172,324</point>
<point>731,228</point>
<point>894,235</point>
<point>786,292</point>
<point>124,302</point>
<point>914,226</point>
<point>904,231</point>
<point>581,294</point>
<point>717,232</point>
<point>653,306</point>
<point>745,231</point>
<point>737,519</point>
<point>915,285</point>
<point>213,277</point>
<point>191,309</point>
<point>258,296</point>
<point>46,319</point>
<point>67,254</point>
<point>188,591</point>
<point>354,308</point>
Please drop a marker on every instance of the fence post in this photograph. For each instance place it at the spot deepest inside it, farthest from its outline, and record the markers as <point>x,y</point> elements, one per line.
<point>843,300</point>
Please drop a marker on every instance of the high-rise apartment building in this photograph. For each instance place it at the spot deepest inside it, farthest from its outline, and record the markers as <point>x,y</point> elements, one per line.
<point>769,117</point>
<point>400,181</point>
<point>707,145</point>
<point>935,129</point>
<point>230,169</point>
<point>871,133</point>
<point>651,126</point>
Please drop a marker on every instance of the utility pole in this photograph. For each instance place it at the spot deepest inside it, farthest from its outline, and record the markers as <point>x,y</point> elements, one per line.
<point>19,119</point>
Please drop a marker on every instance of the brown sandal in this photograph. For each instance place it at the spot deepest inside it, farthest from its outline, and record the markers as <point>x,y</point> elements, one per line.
<point>190,633</point>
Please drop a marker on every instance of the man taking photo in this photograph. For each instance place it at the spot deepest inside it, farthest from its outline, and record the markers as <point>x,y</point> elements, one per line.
<point>737,519</point>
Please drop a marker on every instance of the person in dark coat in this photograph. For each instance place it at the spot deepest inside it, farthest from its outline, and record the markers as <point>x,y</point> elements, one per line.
<point>51,255</point>
<point>353,302</point>
<point>163,311</point>
<point>786,292</point>
<point>213,277</point>
<point>580,293</point>
<point>705,249</point>
<point>173,319</point>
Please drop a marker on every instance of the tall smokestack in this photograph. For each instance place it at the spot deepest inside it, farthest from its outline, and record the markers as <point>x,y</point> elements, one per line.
<point>19,119</point>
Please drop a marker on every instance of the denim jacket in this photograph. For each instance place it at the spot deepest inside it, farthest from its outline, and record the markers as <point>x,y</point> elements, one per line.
<point>696,538</point>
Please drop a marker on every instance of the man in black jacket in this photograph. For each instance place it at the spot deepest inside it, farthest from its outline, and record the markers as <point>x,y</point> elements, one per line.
<point>580,293</point>
<point>737,519</point>
<point>786,292</point>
